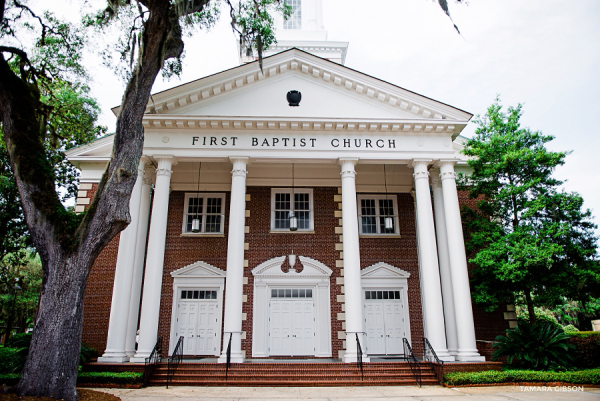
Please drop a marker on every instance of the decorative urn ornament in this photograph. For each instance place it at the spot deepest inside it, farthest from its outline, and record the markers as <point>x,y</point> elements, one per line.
<point>294,97</point>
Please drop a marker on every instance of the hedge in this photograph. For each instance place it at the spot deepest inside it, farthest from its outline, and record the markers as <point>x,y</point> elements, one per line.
<point>589,376</point>
<point>587,352</point>
<point>11,379</point>
<point>110,377</point>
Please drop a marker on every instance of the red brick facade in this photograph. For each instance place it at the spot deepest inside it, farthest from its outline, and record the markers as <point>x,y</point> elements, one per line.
<point>263,245</point>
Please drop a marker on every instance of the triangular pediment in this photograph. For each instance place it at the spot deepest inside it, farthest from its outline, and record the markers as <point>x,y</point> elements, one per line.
<point>328,90</point>
<point>100,149</point>
<point>310,268</point>
<point>199,269</point>
<point>384,270</point>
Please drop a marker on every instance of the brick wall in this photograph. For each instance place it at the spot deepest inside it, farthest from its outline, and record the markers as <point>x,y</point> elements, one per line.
<point>263,245</point>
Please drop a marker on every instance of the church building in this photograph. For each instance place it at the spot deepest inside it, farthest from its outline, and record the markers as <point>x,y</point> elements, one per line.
<point>288,212</point>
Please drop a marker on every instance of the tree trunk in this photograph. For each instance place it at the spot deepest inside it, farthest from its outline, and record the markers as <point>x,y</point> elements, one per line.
<point>530,307</point>
<point>55,345</point>
<point>69,244</point>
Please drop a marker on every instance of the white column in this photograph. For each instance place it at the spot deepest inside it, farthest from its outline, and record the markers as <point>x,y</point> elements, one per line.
<point>444,259</point>
<point>467,347</point>
<point>155,260</point>
<point>138,264</point>
<point>430,275</point>
<point>117,325</point>
<point>234,281</point>
<point>352,280</point>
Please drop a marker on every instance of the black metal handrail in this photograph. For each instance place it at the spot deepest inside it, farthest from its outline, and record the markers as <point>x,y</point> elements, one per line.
<point>173,362</point>
<point>413,362</point>
<point>153,360</point>
<point>228,353</point>
<point>359,353</point>
<point>438,368</point>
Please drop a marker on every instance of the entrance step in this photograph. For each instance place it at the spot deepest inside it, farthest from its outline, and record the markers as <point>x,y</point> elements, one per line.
<point>293,374</point>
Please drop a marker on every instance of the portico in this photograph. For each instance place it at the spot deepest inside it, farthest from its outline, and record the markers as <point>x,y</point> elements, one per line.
<point>229,151</point>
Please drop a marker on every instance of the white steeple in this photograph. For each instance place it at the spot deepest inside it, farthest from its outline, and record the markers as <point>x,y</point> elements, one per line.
<point>305,31</point>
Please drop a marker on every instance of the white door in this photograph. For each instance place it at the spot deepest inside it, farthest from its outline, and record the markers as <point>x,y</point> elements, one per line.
<point>186,320</point>
<point>207,329</point>
<point>199,322</point>
<point>292,323</point>
<point>384,322</point>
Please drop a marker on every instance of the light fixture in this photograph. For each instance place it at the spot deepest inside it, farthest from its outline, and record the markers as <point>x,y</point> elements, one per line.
<point>389,220</point>
<point>196,219</point>
<point>292,260</point>
<point>293,218</point>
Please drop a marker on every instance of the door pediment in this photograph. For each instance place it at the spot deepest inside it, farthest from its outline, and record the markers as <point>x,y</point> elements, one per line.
<point>382,269</point>
<point>272,269</point>
<point>198,269</point>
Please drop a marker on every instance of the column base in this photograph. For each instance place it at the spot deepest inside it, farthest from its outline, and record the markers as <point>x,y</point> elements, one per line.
<point>113,359</point>
<point>447,358</point>
<point>472,356</point>
<point>351,358</point>
<point>234,359</point>
<point>140,357</point>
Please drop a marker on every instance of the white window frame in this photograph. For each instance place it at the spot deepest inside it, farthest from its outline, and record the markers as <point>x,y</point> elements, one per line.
<point>295,21</point>
<point>202,232</point>
<point>308,191</point>
<point>394,200</point>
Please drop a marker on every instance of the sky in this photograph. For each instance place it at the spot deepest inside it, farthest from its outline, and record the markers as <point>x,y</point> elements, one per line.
<point>543,54</point>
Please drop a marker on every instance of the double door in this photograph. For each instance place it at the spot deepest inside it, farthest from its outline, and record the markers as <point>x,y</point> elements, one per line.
<point>291,327</point>
<point>199,322</point>
<point>384,322</point>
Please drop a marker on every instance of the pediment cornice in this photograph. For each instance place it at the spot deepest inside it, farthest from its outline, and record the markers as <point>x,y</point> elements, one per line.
<point>297,61</point>
<point>199,269</point>
<point>214,123</point>
<point>382,269</point>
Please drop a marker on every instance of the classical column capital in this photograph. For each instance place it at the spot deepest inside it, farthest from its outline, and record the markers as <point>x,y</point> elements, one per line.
<point>165,162</point>
<point>447,169</point>
<point>239,166</point>
<point>348,166</point>
<point>148,176</point>
<point>434,178</point>
<point>419,163</point>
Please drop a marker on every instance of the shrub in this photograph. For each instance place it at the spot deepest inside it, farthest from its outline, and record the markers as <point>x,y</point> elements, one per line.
<point>9,379</point>
<point>570,329</point>
<point>540,346</point>
<point>86,354</point>
<point>110,377</point>
<point>19,340</point>
<point>590,376</point>
<point>587,352</point>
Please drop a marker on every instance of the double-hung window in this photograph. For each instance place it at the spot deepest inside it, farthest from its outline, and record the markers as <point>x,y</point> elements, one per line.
<point>209,209</point>
<point>282,206</point>
<point>372,212</point>
<point>295,20</point>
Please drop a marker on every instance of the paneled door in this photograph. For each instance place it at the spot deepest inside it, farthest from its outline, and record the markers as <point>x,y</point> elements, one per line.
<point>384,322</point>
<point>199,322</point>
<point>292,322</point>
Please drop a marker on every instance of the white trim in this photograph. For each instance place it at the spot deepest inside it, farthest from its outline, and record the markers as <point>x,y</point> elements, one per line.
<point>394,200</point>
<point>311,210</point>
<point>197,276</point>
<point>203,195</point>
<point>382,275</point>
<point>269,275</point>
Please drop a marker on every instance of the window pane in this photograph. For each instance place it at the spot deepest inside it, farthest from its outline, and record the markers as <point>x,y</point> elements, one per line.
<point>213,205</point>
<point>386,208</point>
<point>367,294</point>
<point>282,201</point>
<point>397,294</point>
<point>288,293</point>
<point>301,202</point>
<point>367,207</point>
<point>369,225</point>
<point>273,293</point>
<point>201,295</point>
<point>281,219</point>
<point>385,294</point>
<point>183,294</point>
<point>213,224</point>
<point>294,293</point>
<point>302,293</point>
<point>281,293</point>
<point>196,294</point>
<point>303,220</point>
<point>379,294</point>
<point>308,293</point>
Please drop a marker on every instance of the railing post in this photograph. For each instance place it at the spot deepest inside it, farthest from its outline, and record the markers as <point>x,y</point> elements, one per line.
<point>174,360</point>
